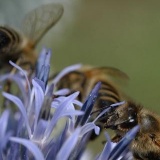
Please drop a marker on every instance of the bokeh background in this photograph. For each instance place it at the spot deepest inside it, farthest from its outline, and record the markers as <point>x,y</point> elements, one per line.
<point>123,34</point>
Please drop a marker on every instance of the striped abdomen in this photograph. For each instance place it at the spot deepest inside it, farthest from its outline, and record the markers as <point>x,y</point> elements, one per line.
<point>9,39</point>
<point>107,95</point>
<point>10,42</point>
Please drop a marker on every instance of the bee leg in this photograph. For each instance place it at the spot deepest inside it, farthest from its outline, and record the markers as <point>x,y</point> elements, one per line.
<point>28,65</point>
<point>104,142</point>
<point>116,138</point>
<point>7,88</point>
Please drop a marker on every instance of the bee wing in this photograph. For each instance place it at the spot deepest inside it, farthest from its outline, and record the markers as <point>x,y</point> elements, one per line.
<point>114,72</point>
<point>115,77</point>
<point>40,20</point>
<point>120,79</point>
<point>108,71</point>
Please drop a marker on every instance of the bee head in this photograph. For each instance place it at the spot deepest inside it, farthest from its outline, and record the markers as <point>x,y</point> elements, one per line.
<point>123,117</point>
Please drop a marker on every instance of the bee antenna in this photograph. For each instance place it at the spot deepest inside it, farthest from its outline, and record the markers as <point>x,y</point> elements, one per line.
<point>99,110</point>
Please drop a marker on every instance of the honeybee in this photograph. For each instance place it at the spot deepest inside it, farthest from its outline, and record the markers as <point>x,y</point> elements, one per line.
<point>146,144</point>
<point>21,46</point>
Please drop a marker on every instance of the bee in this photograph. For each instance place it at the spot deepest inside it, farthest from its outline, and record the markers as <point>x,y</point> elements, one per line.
<point>146,144</point>
<point>16,46</point>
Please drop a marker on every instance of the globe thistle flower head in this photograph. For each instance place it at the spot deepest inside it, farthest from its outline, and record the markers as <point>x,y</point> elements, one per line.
<point>31,131</point>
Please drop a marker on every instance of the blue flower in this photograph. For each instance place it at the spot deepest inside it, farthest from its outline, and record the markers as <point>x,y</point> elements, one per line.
<point>30,132</point>
<point>114,151</point>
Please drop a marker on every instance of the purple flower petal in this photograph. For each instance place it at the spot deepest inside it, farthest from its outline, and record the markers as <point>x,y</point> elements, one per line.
<point>21,107</point>
<point>56,102</point>
<point>68,146</point>
<point>4,140</point>
<point>58,143</point>
<point>66,71</point>
<point>88,105</point>
<point>48,57</point>
<point>71,114</point>
<point>43,65</point>
<point>30,146</point>
<point>40,83</point>
<point>38,133</point>
<point>62,92</point>
<point>39,98</point>
<point>117,104</point>
<point>4,122</point>
<point>49,90</point>
<point>58,112</point>
<point>88,127</point>
<point>106,150</point>
<point>44,74</point>
<point>80,148</point>
<point>123,143</point>
<point>41,60</point>
<point>78,103</point>
<point>18,80</point>
<point>24,73</point>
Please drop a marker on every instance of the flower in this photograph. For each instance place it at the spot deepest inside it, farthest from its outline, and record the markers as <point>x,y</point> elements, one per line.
<point>30,131</point>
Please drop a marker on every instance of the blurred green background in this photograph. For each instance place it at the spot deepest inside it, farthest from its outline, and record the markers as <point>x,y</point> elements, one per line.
<point>123,34</point>
<point>119,33</point>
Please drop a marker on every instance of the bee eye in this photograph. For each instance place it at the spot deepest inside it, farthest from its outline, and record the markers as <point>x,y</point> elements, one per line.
<point>131,121</point>
<point>131,114</point>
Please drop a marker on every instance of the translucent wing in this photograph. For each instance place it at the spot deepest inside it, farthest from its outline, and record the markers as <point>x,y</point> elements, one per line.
<point>114,72</point>
<point>111,75</point>
<point>119,79</point>
<point>114,76</point>
<point>40,20</point>
<point>108,71</point>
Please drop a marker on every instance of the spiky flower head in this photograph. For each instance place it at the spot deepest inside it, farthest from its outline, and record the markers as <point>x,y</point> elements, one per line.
<point>30,132</point>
